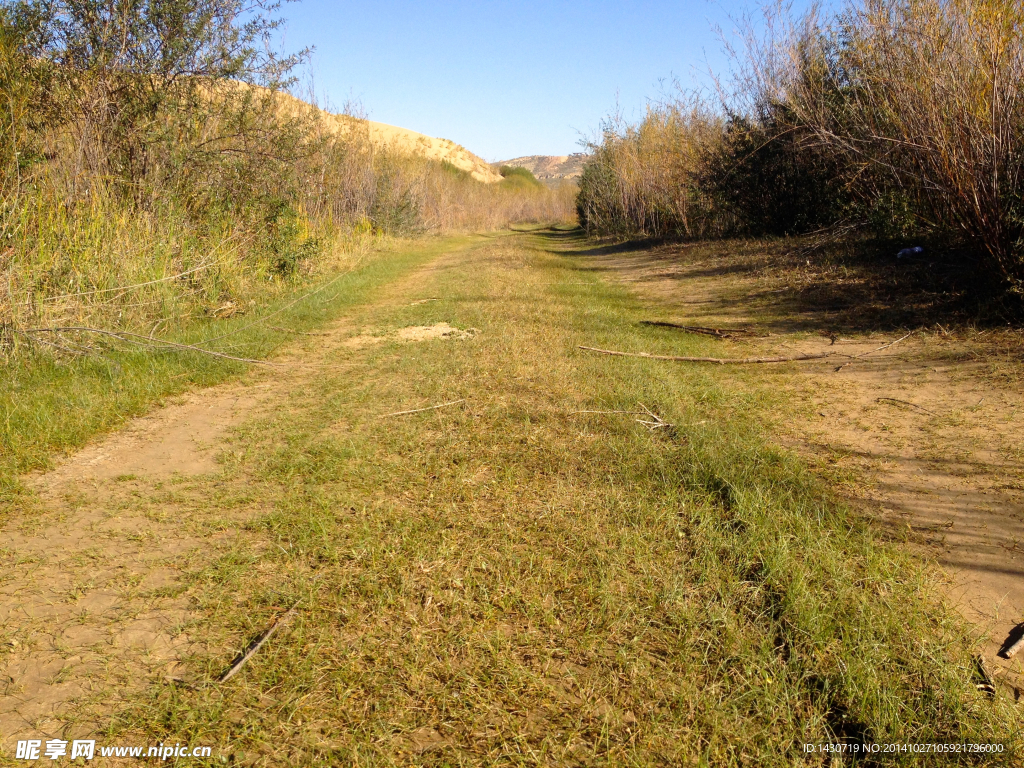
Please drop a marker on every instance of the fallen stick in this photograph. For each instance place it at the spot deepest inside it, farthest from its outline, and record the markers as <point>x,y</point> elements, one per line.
<point>872,351</point>
<point>904,402</point>
<point>420,410</point>
<point>722,334</point>
<point>249,652</point>
<point>717,360</point>
<point>657,422</point>
<point>1010,652</point>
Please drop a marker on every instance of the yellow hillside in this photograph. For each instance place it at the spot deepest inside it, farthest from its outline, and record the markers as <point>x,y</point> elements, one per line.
<point>404,140</point>
<point>436,149</point>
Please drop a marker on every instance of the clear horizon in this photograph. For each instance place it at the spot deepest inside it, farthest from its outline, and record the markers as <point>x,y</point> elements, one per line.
<point>507,79</point>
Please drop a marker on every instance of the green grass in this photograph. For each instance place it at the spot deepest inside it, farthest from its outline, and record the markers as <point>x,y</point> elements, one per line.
<point>50,405</point>
<point>515,177</point>
<point>510,582</point>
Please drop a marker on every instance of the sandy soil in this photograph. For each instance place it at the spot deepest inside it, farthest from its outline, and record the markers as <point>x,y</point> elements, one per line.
<point>924,435</point>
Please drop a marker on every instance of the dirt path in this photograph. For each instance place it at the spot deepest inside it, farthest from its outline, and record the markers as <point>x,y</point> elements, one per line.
<point>924,436</point>
<point>92,603</point>
<point>538,572</point>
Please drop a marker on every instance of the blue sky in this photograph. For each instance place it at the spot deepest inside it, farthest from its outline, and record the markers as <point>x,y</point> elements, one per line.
<point>506,79</point>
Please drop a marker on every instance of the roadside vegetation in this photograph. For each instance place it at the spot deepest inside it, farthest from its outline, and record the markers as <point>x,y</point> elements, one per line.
<point>900,121</point>
<point>158,178</point>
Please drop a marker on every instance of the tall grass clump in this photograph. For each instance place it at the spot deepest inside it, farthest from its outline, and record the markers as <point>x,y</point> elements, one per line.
<point>644,179</point>
<point>902,118</point>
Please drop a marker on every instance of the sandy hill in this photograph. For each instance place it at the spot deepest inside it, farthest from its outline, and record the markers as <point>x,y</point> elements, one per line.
<point>436,149</point>
<point>550,166</point>
<point>404,140</point>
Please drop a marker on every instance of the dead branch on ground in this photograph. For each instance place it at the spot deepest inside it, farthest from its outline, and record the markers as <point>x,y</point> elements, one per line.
<point>420,410</point>
<point>716,360</point>
<point>249,652</point>
<point>656,421</point>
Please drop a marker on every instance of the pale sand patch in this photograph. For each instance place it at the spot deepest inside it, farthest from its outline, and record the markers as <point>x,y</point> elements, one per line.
<point>413,333</point>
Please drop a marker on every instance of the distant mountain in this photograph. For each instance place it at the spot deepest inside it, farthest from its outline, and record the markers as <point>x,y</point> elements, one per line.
<point>550,167</point>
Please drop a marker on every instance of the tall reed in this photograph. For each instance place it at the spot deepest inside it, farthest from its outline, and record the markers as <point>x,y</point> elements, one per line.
<point>904,117</point>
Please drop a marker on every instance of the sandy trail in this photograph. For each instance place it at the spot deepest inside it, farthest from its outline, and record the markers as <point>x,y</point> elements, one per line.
<point>93,600</point>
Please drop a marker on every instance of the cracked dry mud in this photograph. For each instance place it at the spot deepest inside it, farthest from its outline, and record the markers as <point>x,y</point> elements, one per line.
<point>93,604</point>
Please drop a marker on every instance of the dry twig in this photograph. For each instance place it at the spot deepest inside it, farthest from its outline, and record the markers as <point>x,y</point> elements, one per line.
<point>1010,652</point>
<point>717,360</point>
<point>656,421</point>
<point>254,646</point>
<point>420,410</point>
<point>872,351</point>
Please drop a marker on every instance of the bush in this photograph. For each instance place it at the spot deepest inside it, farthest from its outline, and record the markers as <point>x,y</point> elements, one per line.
<point>904,117</point>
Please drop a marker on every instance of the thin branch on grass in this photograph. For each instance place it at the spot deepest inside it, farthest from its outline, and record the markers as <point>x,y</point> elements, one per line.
<point>420,410</point>
<point>656,423</point>
<point>1016,646</point>
<point>254,646</point>
<point>717,360</point>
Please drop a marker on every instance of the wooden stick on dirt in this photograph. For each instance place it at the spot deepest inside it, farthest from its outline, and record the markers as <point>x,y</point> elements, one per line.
<point>720,333</point>
<point>1010,652</point>
<point>872,351</point>
<point>249,652</point>
<point>717,360</point>
<point>904,402</point>
<point>420,410</point>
